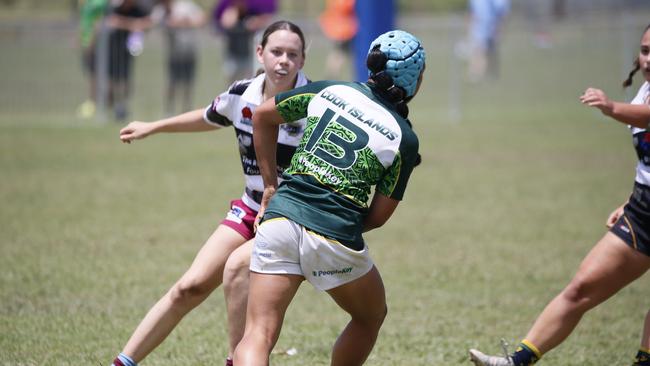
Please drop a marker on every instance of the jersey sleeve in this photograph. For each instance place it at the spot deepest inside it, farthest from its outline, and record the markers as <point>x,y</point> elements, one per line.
<point>396,176</point>
<point>219,112</point>
<point>292,104</point>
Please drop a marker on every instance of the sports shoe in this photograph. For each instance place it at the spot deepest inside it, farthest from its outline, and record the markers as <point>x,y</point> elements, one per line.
<point>481,359</point>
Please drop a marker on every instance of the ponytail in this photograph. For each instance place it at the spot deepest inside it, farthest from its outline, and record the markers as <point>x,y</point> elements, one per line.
<point>376,63</point>
<point>636,65</point>
<point>636,68</point>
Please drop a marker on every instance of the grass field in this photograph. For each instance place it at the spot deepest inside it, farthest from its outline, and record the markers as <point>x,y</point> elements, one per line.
<point>508,200</point>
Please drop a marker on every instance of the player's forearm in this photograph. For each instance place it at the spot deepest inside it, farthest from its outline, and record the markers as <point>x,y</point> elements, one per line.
<point>266,122</point>
<point>187,122</point>
<point>265,137</point>
<point>637,115</point>
<point>380,210</point>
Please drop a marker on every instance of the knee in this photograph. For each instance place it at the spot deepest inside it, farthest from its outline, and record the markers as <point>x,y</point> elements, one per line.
<point>577,294</point>
<point>373,319</point>
<point>188,292</point>
<point>380,316</point>
<point>235,273</point>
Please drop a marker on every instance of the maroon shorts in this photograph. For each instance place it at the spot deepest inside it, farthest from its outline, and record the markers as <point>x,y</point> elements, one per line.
<point>241,218</point>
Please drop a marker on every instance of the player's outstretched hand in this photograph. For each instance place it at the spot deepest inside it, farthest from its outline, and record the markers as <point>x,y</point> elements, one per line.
<point>134,131</point>
<point>597,98</point>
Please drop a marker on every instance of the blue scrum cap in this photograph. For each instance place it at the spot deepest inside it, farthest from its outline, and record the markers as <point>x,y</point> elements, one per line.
<point>405,58</point>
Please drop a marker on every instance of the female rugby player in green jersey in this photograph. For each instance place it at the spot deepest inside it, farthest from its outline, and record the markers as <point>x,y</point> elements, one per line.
<point>357,136</point>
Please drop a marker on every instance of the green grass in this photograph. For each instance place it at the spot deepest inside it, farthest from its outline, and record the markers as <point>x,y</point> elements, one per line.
<point>507,202</point>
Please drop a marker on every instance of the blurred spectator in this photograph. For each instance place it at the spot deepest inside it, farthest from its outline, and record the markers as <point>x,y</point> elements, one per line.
<point>539,14</point>
<point>180,19</point>
<point>126,21</point>
<point>559,9</point>
<point>486,20</point>
<point>339,23</point>
<point>239,21</point>
<point>90,14</point>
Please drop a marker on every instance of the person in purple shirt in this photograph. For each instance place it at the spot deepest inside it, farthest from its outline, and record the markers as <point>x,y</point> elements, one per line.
<point>239,21</point>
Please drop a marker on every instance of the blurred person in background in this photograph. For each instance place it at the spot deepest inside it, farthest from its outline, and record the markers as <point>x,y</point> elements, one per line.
<point>180,19</point>
<point>225,256</point>
<point>539,14</point>
<point>127,21</point>
<point>238,21</point>
<point>90,14</point>
<point>621,256</point>
<point>339,23</point>
<point>559,9</point>
<point>486,19</point>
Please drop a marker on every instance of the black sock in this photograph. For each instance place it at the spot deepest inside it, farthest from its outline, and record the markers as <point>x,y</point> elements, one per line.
<point>642,358</point>
<point>526,354</point>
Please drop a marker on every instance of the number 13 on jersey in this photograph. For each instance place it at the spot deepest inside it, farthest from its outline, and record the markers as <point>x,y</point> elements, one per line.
<point>336,140</point>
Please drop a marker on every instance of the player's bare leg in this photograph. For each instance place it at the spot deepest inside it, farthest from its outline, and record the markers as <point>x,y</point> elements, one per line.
<point>269,297</point>
<point>204,275</point>
<point>235,289</point>
<point>609,266</point>
<point>365,300</point>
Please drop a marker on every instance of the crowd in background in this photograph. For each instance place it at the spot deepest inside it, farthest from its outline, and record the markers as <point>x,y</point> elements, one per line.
<point>112,35</point>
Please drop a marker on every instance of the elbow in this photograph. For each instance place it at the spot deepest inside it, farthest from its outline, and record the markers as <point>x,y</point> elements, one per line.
<point>378,224</point>
<point>259,120</point>
<point>371,224</point>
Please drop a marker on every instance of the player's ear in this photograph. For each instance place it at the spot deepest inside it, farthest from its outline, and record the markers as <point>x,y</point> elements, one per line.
<point>301,63</point>
<point>259,50</point>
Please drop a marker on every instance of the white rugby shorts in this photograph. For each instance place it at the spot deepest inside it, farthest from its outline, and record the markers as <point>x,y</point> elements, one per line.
<point>285,247</point>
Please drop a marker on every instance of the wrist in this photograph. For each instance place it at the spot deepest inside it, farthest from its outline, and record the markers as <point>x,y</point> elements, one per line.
<point>610,109</point>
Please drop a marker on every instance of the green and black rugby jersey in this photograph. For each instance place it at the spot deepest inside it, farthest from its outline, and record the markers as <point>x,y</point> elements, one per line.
<point>354,140</point>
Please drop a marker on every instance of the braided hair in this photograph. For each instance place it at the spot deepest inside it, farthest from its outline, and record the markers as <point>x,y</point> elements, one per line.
<point>636,67</point>
<point>376,62</point>
<point>395,62</point>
